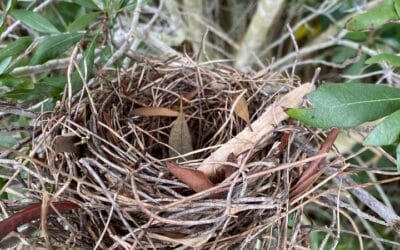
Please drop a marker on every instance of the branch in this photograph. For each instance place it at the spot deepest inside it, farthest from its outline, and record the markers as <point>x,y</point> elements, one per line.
<point>262,130</point>
<point>262,21</point>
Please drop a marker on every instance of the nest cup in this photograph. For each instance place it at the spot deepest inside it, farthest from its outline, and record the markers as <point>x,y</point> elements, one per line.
<point>102,156</point>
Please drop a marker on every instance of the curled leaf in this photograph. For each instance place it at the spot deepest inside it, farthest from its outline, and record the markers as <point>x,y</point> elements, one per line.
<point>194,178</point>
<point>242,110</point>
<point>155,111</point>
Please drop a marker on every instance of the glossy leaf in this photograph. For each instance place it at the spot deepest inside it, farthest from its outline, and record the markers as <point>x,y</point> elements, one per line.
<point>16,47</point>
<point>385,57</point>
<point>387,132</point>
<point>348,105</point>
<point>81,22</point>
<point>194,178</point>
<point>155,111</point>
<point>35,21</point>
<point>374,17</point>
<point>54,46</point>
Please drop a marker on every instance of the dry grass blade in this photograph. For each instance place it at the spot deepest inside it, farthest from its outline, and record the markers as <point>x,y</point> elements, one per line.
<point>180,139</point>
<point>155,111</point>
<point>195,179</point>
<point>242,110</point>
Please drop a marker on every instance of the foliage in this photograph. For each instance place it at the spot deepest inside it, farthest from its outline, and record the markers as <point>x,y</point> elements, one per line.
<point>351,104</point>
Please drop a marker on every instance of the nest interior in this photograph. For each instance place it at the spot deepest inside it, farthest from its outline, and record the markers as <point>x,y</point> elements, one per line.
<point>100,155</point>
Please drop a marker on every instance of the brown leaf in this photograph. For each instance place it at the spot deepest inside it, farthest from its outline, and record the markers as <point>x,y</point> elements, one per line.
<point>195,179</point>
<point>68,143</point>
<point>242,110</point>
<point>179,138</point>
<point>30,213</point>
<point>155,111</point>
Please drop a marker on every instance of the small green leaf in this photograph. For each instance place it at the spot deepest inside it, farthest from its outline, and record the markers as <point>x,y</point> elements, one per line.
<point>4,64</point>
<point>398,157</point>
<point>49,87</point>
<point>348,105</point>
<point>6,11</point>
<point>54,46</point>
<point>81,22</point>
<point>89,55</point>
<point>397,6</point>
<point>86,3</point>
<point>16,47</point>
<point>7,140</point>
<point>385,57</point>
<point>35,21</point>
<point>12,81</point>
<point>374,17</point>
<point>386,133</point>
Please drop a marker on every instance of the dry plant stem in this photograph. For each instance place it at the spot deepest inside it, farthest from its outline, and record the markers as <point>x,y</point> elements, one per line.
<point>262,130</point>
<point>8,109</point>
<point>32,212</point>
<point>256,34</point>
<point>386,213</point>
<point>313,168</point>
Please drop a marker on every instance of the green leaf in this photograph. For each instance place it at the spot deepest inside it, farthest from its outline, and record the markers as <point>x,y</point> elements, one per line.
<point>4,64</point>
<point>54,46</point>
<point>16,47</point>
<point>6,11</point>
<point>86,3</point>
<point>35,21</point>
<point>11,81</point>
<point>7,140</point>
<point>398,157</point>
<point>385,57</point>
<point>81,22</point>
<point>348,105</point>
<point>374,17</point>
<point>49,87</point>
<point>386,133</point>
<point>89,55</point>
<point>397,6</point>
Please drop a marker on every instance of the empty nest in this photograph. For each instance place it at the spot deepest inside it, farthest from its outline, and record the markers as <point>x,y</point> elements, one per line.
<point>97,152</point>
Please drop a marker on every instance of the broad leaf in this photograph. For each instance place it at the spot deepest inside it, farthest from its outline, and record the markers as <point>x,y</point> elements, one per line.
<point>54,46</point>
<point>86,3</point>
<point>35,21</point>
<point>385,57</point>
<point>16,47</point>
<point>387,132</point>
<point>397,6</point>
<point>374,17</point>
<point>348,105</point>
<point>81,22</point>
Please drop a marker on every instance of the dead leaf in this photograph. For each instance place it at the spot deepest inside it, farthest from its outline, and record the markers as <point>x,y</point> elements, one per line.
<point>195,179</point>
<point>225,170</point>
<point>155,111</point>
<point>68,143</point>
<point>242,110</point>
<point>179,138</point>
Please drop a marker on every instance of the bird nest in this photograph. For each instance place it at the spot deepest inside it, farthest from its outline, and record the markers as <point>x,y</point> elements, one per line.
<point>166,156</point>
